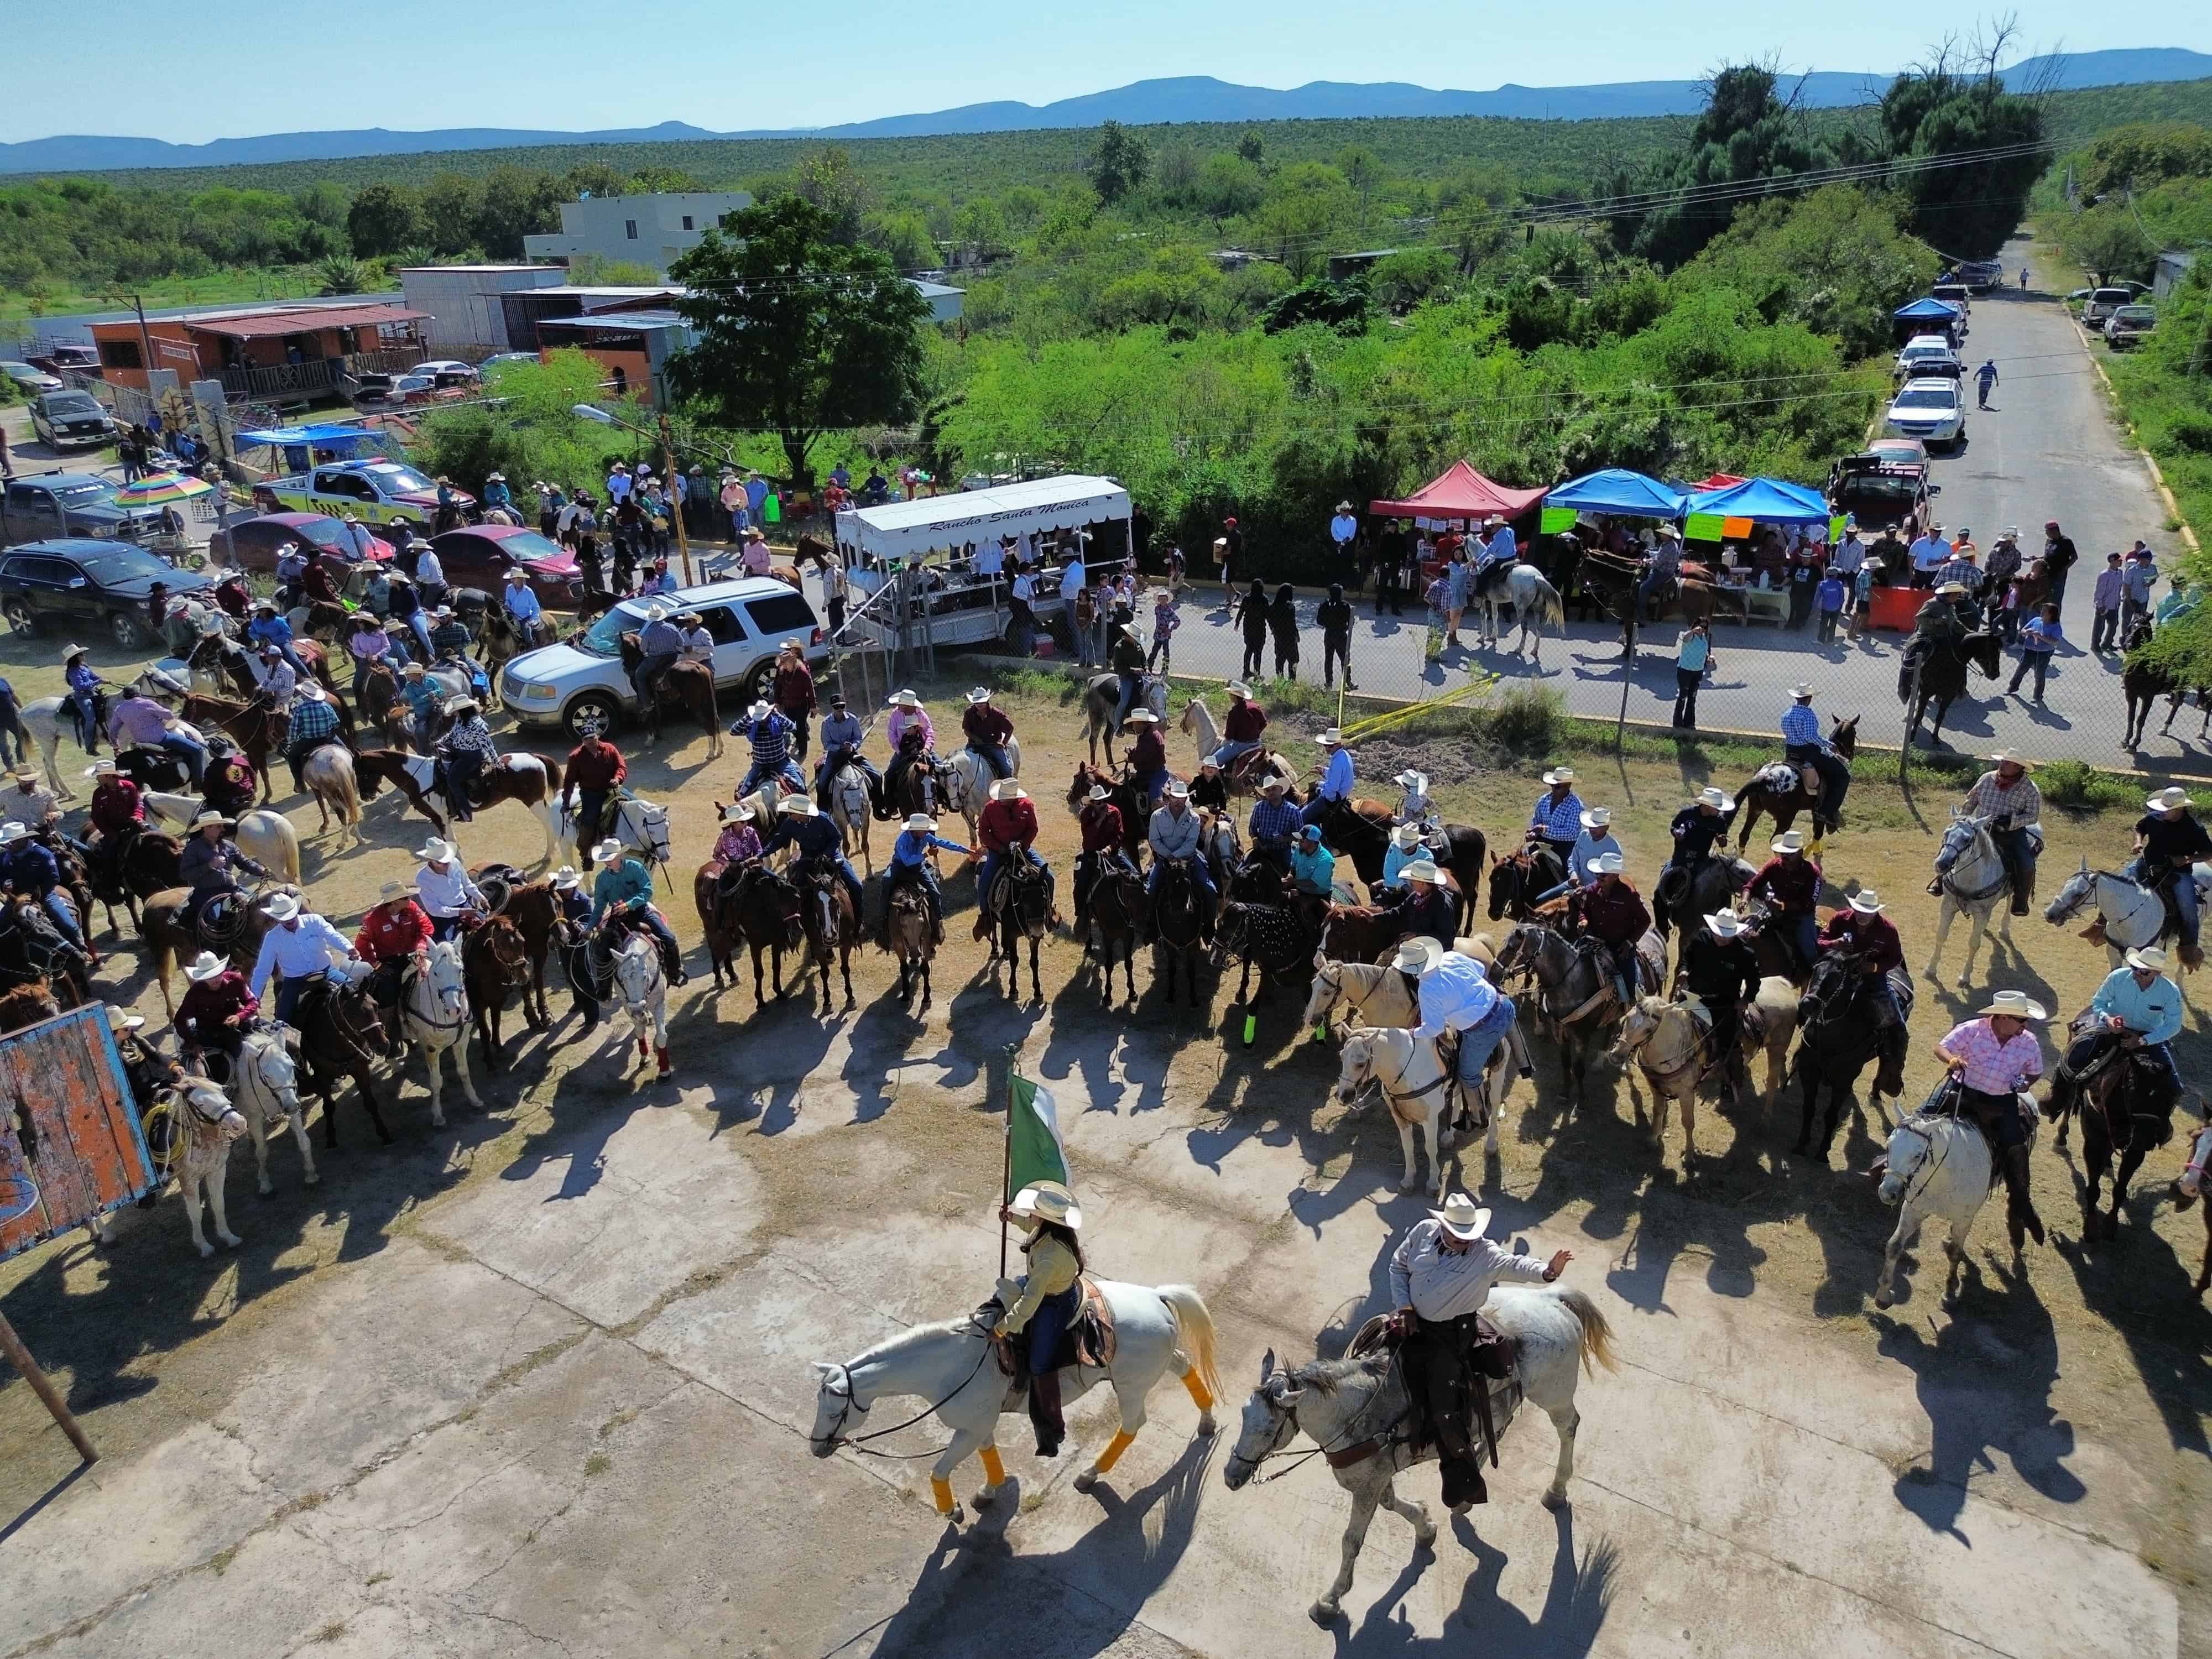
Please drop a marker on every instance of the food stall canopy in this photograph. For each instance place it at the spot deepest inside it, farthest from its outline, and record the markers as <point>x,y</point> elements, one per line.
<point>908,529</point>
<point>1764,500</point>
<point>1718,481</point>
<point>1932,310</point>
<point>1617,490</point>
<point>322,437</point>
<point>1460,493</point>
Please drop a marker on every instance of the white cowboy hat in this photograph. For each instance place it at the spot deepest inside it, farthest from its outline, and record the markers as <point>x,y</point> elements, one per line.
<point>210,627</point>
<point>1416,955</point>
<point>393,889</point>
<point>1238,688</point>
<point>208,819</point>
<point>415,669</point>
<point>1049,1200</point>
<point>1416,781</point>
<point>801,806</point>
<point>1462,1217</point>
<point>122,1019</point>
<point>2006,757</point>
<point>1802,690</point>
<point>1715,797</point>
<point>566,877</point>
<point>100,768</point>
<point>1407,835</point>
<point>1422,870</point>
<point>436,850</point>
<point>1725,924</point>
<point>205,966</point>
<point>1606,864</point>
<point>903,699</point>
<point>1099,791</point>
<point>1273,783</point>
<point>759,711</point>
<point>1789,841</point>
<point>313,693</point>
<point>11,832</point>
<point>921,823</point>
<point>1008,789</point>
<point>1331,738</point>
<point>735,810</point>
<point>2149,957</point>
<point>2016,1005</point>
<point>1559,775</point>
<point>1668,531</point>
<point>443,610</point>
<point>656,613</point>
<point>980,694</point>
<point>283,907</point>
<point>1867,902</point>
<point>1140,714</point>
<point>607,851</point>
<point>74,651</point>
<point>1597,817</point>
<point>2166,800</point>
<point>1948,588</point>
<point>1178,790</point>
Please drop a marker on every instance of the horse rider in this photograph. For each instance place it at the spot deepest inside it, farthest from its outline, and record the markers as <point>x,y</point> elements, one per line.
<point>268,628</point>
<point>1405,848</point>
<point>1145,761</point>
<point>1943,620</point>
<point>1994,1057</point>
<point>1275,824</point>
<point>290,563</point>
<point>280,685</point>
<point>28,802</point>
<point>1104,834</point>
<point>793,692</point>
<point>1441,1275</point>
<point>908,863</point>
<point>2010,806</point>
<point>1596,840</point>
<point>1313,867</point>
<point>1176,837</point>
<point>989,732</point>
<point>595,770</point>
<point>912,738</point>
<point>2137,1008</point>
<point>367,644</point>
<point>1007,827</point>
<point>842,735</point>
<point>1664,566</point>
<point>573,911</point>
<point>210,863</point>
<point>1719,968</point>
<point>449,897</point>
<point>1613,914</point>
<point>32,871</point>
<point>659,643</point>
<point>1414,806</point>
<point>1421,905</point>
<point>230,783</point>
<point>1861,927</point>
<point>1051,1296</point>
<point>738,844</point>
<point>140,722</point>
<point>1804,745</point>
<point>2169,841</point>
<point>297,948</point>
<point>623,890</point>
<point>315,724</point>
<point>449,638</point>
<point>1241,727</point>
<point>319,583</point>
<point>118,813</point>
<point>395,932</point>
<point>811,834</point>
<point>769,732</point>
<point>84,696</point>
<point>1696,829</point>
<point>1334,789</point>
<point>218,1009</point>
<point>1556,820</point>
<point>1790,882</point>
<point>1127,659</point>
<point>466,750</point>
<point>1209,790</point>
<point>523,608</point>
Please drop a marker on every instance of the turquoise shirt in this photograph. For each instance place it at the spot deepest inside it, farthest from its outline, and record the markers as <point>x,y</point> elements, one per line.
<point>2155,1012</point>
<point>1313,869</point>
<point>1691,652</point>
<point>628,883</point>
<point>1396,858</point>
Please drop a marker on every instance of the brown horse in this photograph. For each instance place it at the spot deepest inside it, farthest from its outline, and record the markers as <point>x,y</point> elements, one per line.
<point>913,940</point>
<point>687,687</point>
<point>1116,905</point>
<point>23,1006</point>
<point>495,963</point>
<point>1127,799</point>
<point>831,924</point>
<point>811,550</point>
<point>1760,796</point>
<point>762,909</point>
<point>382,707</point>
<point>258,729</point>
<point>530,905</point>
<point>706,899</point>
<point>339,1029</point>
<point>373,769</point>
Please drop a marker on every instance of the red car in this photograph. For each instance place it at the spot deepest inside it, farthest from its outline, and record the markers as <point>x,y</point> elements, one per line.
<point>477,556</point>
<point>252,543</point>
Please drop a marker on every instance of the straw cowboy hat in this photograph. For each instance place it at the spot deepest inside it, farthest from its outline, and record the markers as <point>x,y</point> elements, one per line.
<point>205,966</point>
<point>1048,1200</point>
<point>1950,588</point>
<point>1008,789</point>
<point>1606,864</point>
<point>1407,835</point>
<point>801,806</point>
<point>1867,902</point>
<point>392,889</point>
<point>2168,800</point>
<point>921,823</point>
<point>1344,506</point>
<point>903,699</point>
<point>313,693</point>
<point>2016,1005</point>
<point>607,851</point>
<point>1178,790</point>
<point>1099,791</point>
<point>208,820</point>
<point>1273,784</point>
<point>2006,757</point>
<point>2150,958</point>
<point>100,768</point>
<point>1802,691</point>
<point>283,908</point>
<point>122,1019</point>
<point>1789,841</point>
<point>980,694</point>
<point>1422,870</point>
<point>1725,924</point>
<point>734,812</point>
<point>1559,775</point>
<point>1139,715</point>
<point>434,851</point>
<point>1597,817</point>
<point>1331,738</point>
<point>12,833</point>
<point>1462,1217</point>
<point>1715,797</point>
<point>1417,955</point>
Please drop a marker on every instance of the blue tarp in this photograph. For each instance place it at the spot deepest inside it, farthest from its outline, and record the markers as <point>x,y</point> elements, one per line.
<point>1620,491</point>
<point>1931,311</point>
<point>1769,500</point>
<point>324,437</point>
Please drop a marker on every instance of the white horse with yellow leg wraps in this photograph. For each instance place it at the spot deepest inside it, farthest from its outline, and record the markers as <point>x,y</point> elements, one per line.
<point>951,1367</point>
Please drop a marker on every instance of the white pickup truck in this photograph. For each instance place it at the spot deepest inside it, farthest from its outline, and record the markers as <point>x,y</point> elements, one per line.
<point>375,492</point>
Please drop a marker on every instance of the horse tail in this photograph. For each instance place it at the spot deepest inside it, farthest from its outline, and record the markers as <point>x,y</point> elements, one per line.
<point>1547,607</point>
<point>1597,1334</point>
<point>1194,1332</point>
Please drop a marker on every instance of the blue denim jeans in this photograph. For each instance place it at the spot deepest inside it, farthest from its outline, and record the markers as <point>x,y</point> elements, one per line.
<point>2185,897</point>
<point>1479,1041</point>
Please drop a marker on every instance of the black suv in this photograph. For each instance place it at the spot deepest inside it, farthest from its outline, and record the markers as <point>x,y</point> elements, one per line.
<point>69,420</point>
<point>82,583</point>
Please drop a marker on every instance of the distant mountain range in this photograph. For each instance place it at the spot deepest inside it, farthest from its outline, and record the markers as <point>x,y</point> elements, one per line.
<point>1142,103</point>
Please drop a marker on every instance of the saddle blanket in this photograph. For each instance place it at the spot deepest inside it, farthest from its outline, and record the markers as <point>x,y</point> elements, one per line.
<point>1781,777</point>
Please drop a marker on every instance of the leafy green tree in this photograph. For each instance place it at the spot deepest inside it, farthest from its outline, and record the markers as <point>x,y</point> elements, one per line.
<point>594,179</point>
<point>901,238</point>
<point>1307,204</point>
<point>982,226</point>
<point>1839,260</point>
<point>2144,155</point>
<point>1250,149</point>
<point>2109,243</point>
<point>828,179</point>
<point>1177,285</point>
<point>518,202</point>
<point>450,207</point>
<point>532,434</point>
<point>1119,164</point>
<point>797,331</point>
<point>1229,187</point>
<point>1966,210</point>
<point>384,219</point>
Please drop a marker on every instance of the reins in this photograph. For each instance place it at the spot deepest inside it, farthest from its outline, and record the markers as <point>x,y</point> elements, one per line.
<point>858,1442</point>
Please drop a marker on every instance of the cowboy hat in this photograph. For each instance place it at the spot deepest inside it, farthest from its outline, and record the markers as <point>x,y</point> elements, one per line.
<point>122,1019</point>
<point>2006,757</point>
<point>903,699</point>
<point>688,615</point>
<point>25,775</point>
<point>313,693</point>
<point>1331,738</point>
<point>100,768</point>
<point>462,706</point>
<point>1714,796</point>
<point>801,806</point>
<point>1950,588</point>
<point>1178,791</point>
<point>2016,1005</point>
<point>11,832</point>
<point>1802,690</point>
<point>414,668</point>
<point>74,651</point>
<point>1422,870</point>
<point>1099,791</point>
<point>1407,835</point>
<point>1867,902</point>
<point>1669,532</point>
<point>209,820</point>
<point>734,811</point>
<point>436,850</point>
<point>790,645</point>
<point>392,889</point>
<point>205,966</point>
<point>282,906</point>
<point>2149,957</point>
<point>1273,782</point>
<point>1048,1200</point>
<point>566,877</point>
<point>1597,817</point>
<point>1238,688</point>
<point>210,627</point>
<point>269,605</point>
<point>1789,841</point>
<point>1462,1217</point>
<point>1559,775</point>
<point>759,710</point>
<point>1606,864</point>
<point>1417,955</point>
<point>1418,783</point>
<point>607,851</point>
<point>1344,506</point>
<point>1139,715</point>
<point>1008,789</point>
<point>1725,924</point>
<point>2168,800</point>
<point>921,823</point>
<point>980,694</point>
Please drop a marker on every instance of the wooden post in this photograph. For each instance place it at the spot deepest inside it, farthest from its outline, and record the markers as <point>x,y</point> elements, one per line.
<point>11,1346</point>
<point>1627,672</point>
<point>1006,1158</point>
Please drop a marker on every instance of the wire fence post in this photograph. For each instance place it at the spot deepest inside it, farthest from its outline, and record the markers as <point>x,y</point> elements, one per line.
<point>1627,672</point>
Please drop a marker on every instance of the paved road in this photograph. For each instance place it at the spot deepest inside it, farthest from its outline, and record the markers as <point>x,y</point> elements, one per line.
<point>2045,449</point>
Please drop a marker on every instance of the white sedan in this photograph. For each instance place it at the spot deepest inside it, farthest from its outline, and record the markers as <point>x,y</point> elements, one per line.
<point>1933,409</point>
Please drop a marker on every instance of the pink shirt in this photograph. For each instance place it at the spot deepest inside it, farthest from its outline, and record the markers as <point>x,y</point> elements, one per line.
<point>902,718</point>
<point>1994,1067</point>
<point>737,843</point>
<point>756,558</point>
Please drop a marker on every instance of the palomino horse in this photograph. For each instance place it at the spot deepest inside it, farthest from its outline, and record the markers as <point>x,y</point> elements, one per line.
<point>1534,601</point>
<point>643,989</point>
<point>1245,777</point>
<point>1342,1405</point>
<point>209,1123</point>
<point>913,940</point>
<point>1102,702</point>
<point>1155,1332</point>
<point>266,837</point>
<point>1939,1164</point>
<point>1764,794</point>
<point>1413,1078</point>
<point>433,1015</point>
<point>2128,914</point>
<point>1669,1043</point>
<point>266,1086</point>
<point>1976,883</point>
<point>328,774</point>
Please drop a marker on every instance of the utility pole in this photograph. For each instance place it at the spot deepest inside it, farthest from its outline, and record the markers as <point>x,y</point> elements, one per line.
<point>145,340</point>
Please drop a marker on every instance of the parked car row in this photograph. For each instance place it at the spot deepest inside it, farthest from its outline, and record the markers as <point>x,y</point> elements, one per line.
<point>40,505</point>
<point>80,585</point>
<point>1932,409</point>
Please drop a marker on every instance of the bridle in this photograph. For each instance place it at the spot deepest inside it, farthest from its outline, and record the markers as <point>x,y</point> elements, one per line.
<point>837,1436</point>
<point>1288,1418</point>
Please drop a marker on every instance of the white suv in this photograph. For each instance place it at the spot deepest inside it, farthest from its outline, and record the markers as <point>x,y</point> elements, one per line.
<point>582,688</point>
<point>1929,355</point>
<point>1933,409</point>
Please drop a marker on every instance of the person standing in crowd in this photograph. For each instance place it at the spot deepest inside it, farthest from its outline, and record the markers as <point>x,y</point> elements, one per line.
<point>1165,620</point>
<point>2138,575</point>
<point>1459,582</point>
<point>1830,597</point>
<point>1343,532</point>
<point>1251,621</point>
<point>1283,623</point>
<point>1929,553</point>
<point>1334,616</point>
<point>2058,558</point>
<point>1803,575</point>
<point>794,693</point>
<point>2111,594</point>
<point>2037,640</point>
<point>1390,555</point>
<point>1693,660</point>
<point>1850,556</point>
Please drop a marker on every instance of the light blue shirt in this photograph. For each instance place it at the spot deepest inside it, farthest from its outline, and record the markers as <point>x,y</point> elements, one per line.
<point>1692,652</point>
<point>1503,548</point>
<point>2155,1012</point>
<point>1455,996</point>
<point>521,604</point>
<point>1336,782</point>
<point>1396,858</point>
<point>1586,848</point>
<point>296,952</point>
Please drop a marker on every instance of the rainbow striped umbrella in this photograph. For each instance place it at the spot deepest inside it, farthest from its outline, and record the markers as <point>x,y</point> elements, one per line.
<point>159,489</point>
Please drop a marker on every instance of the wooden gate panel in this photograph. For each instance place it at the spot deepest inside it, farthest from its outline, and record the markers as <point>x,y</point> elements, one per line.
<point>87,1154</point>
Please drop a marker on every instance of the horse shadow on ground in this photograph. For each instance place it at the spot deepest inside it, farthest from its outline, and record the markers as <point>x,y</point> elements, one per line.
<point>1576,1605</point>
<point>2145,1291</point>
<point>1985,1387</point>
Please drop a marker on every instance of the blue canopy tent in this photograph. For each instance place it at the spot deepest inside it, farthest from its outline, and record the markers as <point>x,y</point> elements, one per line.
<point>1619,491</point>
<point>1927,310</point>
<point>1767,500</point>
<point>304,446</point>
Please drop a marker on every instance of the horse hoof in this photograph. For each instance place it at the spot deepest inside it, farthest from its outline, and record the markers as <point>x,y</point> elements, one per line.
<point>1555,1499</point>
<point>1323,1613</point>
<point>315,1180</point>
<point>985,1498</point>
<point>1207,1428</point>
<point>1883,1298</point>
<point>206,1250</point>
<point>1086,1480</point>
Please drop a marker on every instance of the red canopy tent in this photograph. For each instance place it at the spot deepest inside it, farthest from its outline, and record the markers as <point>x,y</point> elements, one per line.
<point>1718,481</point>
<point>1461,492</point>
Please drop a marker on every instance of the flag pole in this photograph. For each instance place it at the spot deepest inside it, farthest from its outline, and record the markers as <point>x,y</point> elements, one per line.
<point>1006,1158</point>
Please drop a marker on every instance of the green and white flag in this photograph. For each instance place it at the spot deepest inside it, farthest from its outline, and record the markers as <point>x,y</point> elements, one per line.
<point>1035,1151</point>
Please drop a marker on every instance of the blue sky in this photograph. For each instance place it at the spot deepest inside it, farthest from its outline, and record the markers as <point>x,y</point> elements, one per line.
<point>154,69</point>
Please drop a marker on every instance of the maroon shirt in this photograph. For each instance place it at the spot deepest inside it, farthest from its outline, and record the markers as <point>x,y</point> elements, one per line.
<point>595,763</point>
<point>1102,826</point>
<point>982,723</point>
<point>1149,753</point>
<point>210,1003</point>
<point>794,689</point>
<point>1875,937</point>
<point>1789,884</point>
<point>1245,721</point>
<point>1615,914</point>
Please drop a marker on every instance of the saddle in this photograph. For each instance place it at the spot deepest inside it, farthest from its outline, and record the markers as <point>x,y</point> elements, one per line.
<point>1089,1340</point>
<point>1248,766</point>
<point>1491,1355</point>
<point>498,883</point>
<point>2148,1099</point>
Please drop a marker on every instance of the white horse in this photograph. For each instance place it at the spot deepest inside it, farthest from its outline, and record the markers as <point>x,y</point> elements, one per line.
<point>264,1083</point>
<point>1419,1091</point>
<point>1939,1166</point>
<point>2128,914</point>
<point>637,824</point>
<point>434,1015</point>
<point>328,774</point>
<point>208,1123</point>
<point>1668,1046</point>
<point>850,811</point>
<point>1976,883</point>
<point>264,835</point>
<point>1197,722</point>
<point>1339,1404</point>
<point>966,778</point>
<point>952,1365</point>
<point>48,719</point>
<point>1535,602</point>
<point>1375,993</point>
<point>643,989</point>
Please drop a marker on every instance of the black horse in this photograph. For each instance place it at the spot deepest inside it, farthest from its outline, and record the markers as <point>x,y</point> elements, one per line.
<point>2125,1109</point>
<point>1685,893</point>
<point>1367,840</point>
<point>1838,1035</point>
<point>1939,677</point>
<point>1517,879</point>
<point>1177,925</point>
<point>1276,938</point>
<point>2143,683</point>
